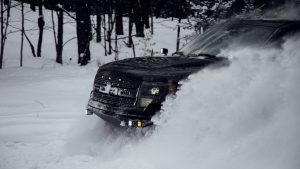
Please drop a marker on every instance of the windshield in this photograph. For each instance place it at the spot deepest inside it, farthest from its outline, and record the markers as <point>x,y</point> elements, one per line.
<point>225,35</point>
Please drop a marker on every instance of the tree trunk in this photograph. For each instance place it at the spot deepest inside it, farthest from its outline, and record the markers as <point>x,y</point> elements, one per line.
<point>129,44</point>
<point>60,29</point>
<point>119,17</point>
<point>104,36</point>
<point>41,24</point>
<point>116,48</point>
<point>133,50</point>
<point>2,34</point>
<point>152,26</point>
<point>137,15</point>
<point>178,35</point>
<point>22,34</point>
<point>98,29</point>
<point>119,24</point>
<point>145,8</point>
<point>110,23</point>
<point>53,29</point>
<point>83,33</point>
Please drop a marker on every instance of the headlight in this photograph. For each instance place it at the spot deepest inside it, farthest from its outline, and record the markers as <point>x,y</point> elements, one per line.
<point>144,102</point>
<point>154,90</point>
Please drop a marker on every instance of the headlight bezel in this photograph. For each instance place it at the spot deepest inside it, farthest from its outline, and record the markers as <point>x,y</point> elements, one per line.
<point>152,92</point>
<point>152,89</point>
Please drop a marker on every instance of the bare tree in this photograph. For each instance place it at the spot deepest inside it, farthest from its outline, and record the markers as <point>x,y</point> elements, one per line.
<point>58,39</point>
<point>60,30</point>
<point>110,26</point>
<point>98,28</point>
<point>116,47</point>
<point>84,34</point>
<point>119,17</point>
<point>53,29</point>
<point>4,26</point>
<point>138,19</point>
<point>104,32</point>
<point>178,35</point>
<point>22,34</point>
<point>151,24</point>
<point>130,24</point>
<point>41,24</point>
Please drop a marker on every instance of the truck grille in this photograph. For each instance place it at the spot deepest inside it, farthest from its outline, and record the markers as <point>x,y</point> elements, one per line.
<point>113,100</point>
<point>116,81</point>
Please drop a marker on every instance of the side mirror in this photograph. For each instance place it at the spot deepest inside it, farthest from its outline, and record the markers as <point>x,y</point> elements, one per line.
<point>164,51</point>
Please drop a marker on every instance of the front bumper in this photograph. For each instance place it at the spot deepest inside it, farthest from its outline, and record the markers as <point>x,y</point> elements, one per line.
<point>120,116</point>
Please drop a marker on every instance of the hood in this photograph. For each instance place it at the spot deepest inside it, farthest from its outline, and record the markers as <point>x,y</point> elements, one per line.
<point>158,66</point>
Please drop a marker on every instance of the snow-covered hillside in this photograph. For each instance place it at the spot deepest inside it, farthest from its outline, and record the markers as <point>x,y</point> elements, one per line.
<point>245,116</point>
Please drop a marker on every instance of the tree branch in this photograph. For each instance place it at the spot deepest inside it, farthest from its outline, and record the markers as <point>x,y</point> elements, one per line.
<point>31,46</point>
<point>69,40</point>
<point>67,12</point>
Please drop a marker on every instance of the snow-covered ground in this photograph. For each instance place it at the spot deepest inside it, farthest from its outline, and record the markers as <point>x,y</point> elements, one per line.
<point>245,116</point>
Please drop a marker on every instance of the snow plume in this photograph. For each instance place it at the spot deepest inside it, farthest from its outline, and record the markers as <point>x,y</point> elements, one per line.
<point>245,116</point>
<point>289,11</point>
<point>242,116</point>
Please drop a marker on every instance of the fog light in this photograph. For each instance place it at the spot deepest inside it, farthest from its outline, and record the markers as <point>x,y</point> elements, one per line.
<point>87,112</point>
<point>122,123</point>
<point>139,124</point>
<point>129,123</point>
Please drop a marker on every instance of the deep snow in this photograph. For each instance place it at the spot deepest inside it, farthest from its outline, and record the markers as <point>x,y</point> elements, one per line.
<point>242,116</point>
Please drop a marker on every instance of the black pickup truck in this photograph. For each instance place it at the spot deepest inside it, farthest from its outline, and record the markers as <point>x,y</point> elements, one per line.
<point>130,91</point>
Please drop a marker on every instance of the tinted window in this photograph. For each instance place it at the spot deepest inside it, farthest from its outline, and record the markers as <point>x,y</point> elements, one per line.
<point>222,36</point>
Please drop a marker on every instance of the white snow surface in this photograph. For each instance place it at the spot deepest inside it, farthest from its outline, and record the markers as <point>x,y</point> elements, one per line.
<point>244,116</point>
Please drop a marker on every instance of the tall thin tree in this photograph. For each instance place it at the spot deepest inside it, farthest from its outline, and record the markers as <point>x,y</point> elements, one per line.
<point>99,20</point>
<point>104,35</point>
<point>98,28</point>
<point>84,34</point>
<point>60,30</point>
<point>22,33</point>
<point>4,26</point>
<point>2,33</point>
<point>41,24</point>
<point>178,35</point>
<point>130,24</point>
<point>110,26</point>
